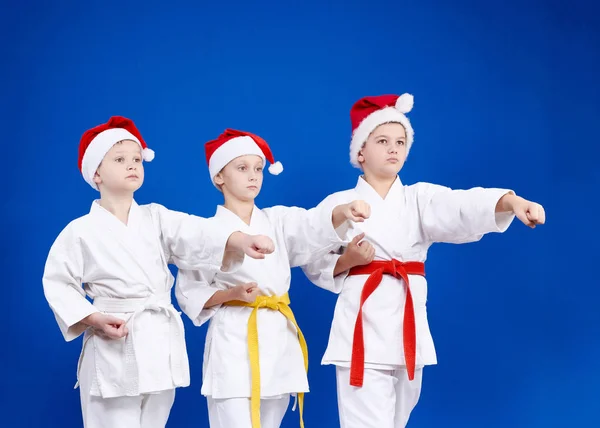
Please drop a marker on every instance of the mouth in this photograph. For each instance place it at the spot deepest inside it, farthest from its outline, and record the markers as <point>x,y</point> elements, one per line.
<point>132,176</point>
<point>252,187</point>
<point>393,160</point>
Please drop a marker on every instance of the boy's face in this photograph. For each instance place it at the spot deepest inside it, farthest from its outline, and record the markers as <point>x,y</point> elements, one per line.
<point>121,169</point>
<point>384,152</point>
<point>241,178</point>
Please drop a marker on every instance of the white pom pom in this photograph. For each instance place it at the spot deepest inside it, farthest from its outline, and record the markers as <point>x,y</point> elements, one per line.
<point>405,103</point>
<point>276,168</point>
<point>148,154</point>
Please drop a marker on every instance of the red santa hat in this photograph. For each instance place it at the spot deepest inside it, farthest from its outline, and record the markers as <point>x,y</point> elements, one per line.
<point>96,142</point>
<point>370,112</point>
<point>232,144</point>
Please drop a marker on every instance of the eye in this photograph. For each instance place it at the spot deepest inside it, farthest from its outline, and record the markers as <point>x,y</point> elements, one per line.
<point>138,160</point>
<point>259,169</point>
<point>242,168</point>
<point>382,141</point>
<point>120,159</point>
<point>401,143</point>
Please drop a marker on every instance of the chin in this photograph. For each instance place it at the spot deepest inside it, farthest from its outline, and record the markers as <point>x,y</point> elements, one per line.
<point>133,186</point>
<point>247,196</point>
<point>390,171</point>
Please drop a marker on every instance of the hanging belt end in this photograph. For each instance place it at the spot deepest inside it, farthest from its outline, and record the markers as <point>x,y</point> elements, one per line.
<point>358,382</point>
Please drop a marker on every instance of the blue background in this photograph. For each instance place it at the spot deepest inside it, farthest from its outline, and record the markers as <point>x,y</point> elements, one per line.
<point>506,94</point>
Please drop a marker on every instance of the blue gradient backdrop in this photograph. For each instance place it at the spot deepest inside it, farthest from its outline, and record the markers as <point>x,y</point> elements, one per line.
<point>506,94</point>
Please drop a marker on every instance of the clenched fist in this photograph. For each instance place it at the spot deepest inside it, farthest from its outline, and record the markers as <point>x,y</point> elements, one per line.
<point>255,246</point>
<point>530,213</point>
<point>107,326</point>
<point>357,211</point>
<point>245,292</point>
<point>358,253</point>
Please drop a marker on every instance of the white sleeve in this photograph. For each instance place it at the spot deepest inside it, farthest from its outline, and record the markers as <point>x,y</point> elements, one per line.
<point>308,234</point>
<point>191,242</point>
<point>320,273</point>
<point>459,216</point>
<point>192,290</point>
<point>62,282</point>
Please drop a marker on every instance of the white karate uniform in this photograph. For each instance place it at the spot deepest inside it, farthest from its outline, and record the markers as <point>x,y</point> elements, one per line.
<point>300,236</point>
<point>128,382</point>
<point>402,226</point>
<point>235,412</point>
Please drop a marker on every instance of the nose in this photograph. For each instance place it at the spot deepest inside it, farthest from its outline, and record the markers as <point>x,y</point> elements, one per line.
<point>131,167</point>
<point>253,176</point>
<point>392,149</point>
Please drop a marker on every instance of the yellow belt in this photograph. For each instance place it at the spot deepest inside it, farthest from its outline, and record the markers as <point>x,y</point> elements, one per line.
<point>276,303</point>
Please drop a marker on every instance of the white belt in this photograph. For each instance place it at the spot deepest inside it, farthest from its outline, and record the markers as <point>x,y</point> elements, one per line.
<point>155,303</point>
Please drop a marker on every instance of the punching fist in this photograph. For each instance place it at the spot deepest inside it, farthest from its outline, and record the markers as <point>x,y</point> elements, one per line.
<point>255,246</point>
<point>357,211</point>
<point>530,213</point>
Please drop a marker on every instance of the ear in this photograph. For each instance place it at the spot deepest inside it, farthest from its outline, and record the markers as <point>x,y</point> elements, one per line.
<point>360,158</point>
<point>219,179</point>
<point>97,178</point>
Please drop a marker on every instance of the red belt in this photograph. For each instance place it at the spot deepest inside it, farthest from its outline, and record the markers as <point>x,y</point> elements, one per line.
<point>376,270</point>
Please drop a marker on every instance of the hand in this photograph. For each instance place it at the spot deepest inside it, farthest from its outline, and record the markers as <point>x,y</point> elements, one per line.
<point>530,213</point>
<point>357,211</point>
<point>256,246</point>
<point>359,253</point>
<point>245,292</point>
<point>356,254</point>
<point>106,325</point>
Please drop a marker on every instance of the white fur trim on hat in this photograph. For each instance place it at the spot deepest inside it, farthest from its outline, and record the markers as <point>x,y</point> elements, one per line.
<point>236,147</point>
<point>98,148</point>
<point>372,121</point>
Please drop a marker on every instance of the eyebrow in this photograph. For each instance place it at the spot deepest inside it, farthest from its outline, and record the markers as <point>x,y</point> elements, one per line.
<point>250,163</point>
<point>385,136</point>
<point>120,152</point>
